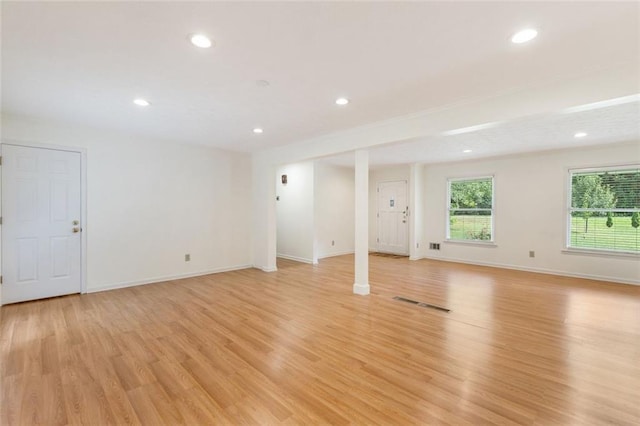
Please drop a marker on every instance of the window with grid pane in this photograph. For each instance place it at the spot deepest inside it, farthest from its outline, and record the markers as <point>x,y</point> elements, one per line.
<point>604,211</point>
<point>470,209</point>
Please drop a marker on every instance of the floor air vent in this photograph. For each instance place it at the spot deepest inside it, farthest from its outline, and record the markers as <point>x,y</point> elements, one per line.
<point>421,304</point>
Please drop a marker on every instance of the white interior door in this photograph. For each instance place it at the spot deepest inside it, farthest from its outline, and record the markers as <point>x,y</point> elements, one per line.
<point>393,224</point>
<point>41,208</point>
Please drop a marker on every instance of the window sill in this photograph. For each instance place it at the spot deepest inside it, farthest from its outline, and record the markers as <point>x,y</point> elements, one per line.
<point>601,253</point>
<point>473,243</point>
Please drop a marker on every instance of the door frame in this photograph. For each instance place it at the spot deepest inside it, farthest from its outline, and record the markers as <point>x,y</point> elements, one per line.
<point>406,182</point>
<point>83,200</point>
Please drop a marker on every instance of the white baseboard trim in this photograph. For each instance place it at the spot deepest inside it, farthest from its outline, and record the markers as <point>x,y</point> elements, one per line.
<point>361,289</point>
<point>263,269</point>
<point>339,253</point>
<point>539,270</point>
<point>295,258</point>
<point>164,278</point>
<point>416,257</point>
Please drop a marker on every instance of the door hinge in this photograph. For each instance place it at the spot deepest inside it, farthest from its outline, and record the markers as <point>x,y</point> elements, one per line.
<point>378,214</point>
<point>0,220</point>
<point>0,279</point>
<point>0,160</point>
<point>377,240</point>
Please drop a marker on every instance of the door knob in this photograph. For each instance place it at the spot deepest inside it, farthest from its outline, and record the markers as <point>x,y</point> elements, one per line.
<point>76,229</point>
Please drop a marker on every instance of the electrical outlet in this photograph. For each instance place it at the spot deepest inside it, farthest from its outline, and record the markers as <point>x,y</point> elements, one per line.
<point>187,257</point>
<point>532,253</point>
<point>333,242</point>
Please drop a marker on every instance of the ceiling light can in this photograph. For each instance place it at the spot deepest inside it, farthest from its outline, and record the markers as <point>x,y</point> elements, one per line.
<point>201,40</point>
<point>524,36</point>
<point>141,102</point>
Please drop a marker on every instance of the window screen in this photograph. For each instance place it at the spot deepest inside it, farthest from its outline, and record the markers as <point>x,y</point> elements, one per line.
<point>604,211</point>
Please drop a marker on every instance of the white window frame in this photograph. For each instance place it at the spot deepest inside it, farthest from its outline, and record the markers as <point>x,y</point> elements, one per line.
<point>493,210</point>
<point>567,241</point>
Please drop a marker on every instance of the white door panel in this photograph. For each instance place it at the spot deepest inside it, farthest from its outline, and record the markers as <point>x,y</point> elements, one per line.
<point>393,223</point>
<point>27,259</point>
<point>41,208</point>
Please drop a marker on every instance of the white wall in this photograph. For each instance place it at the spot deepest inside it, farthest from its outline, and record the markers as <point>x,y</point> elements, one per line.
<point>295,212</point>
<point>150,202</point>
<point>377,175</point>
<point>334,209</point>
<point>530,212</point>
<point>547,96</point>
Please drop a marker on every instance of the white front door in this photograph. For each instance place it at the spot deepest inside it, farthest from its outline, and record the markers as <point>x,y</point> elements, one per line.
<point>393,224</point>
<point>41,208</point>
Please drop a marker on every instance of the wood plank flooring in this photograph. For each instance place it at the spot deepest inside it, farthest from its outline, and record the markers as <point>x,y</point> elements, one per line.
<point>297,347</point>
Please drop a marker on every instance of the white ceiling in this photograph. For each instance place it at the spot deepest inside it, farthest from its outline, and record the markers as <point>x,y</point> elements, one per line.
<point>85,62</point>
<point>603,125</point>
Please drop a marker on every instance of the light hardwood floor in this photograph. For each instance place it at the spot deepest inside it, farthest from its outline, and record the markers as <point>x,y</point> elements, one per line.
<point>297,347</point>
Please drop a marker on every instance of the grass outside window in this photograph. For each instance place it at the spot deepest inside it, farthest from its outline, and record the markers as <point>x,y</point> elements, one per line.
<point>470,209</point>
<point>603,211</point>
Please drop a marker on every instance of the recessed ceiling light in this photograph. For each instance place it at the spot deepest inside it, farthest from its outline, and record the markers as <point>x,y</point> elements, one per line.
<point>141,102</point>
<point>466,151</point>
<point>524,36</point>
<point>342,101</point>
<point>201,40</point>
<point>257,130</point>
<point>580,135</point>
<point>263,83</point>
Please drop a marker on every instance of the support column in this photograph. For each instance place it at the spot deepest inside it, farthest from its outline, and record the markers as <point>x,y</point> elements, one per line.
<point>416,214</point>
<point>264,215</point>
<point>361,285</point>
